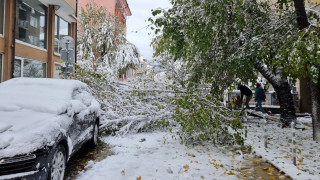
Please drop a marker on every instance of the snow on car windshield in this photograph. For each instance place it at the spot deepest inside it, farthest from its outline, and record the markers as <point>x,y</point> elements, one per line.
<point>41,95</point>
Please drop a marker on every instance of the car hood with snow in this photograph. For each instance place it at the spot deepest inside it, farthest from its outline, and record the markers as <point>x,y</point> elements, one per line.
<point>33,112</point>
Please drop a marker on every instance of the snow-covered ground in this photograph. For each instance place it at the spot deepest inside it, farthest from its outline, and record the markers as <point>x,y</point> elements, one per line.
<point>279,147</point>
<point>159,155</point>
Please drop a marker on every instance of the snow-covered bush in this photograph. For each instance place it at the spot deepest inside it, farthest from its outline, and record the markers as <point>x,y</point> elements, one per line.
<point>102,45</point>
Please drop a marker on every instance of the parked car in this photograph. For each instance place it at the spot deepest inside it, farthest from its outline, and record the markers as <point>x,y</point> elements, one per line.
<point>43,122</point>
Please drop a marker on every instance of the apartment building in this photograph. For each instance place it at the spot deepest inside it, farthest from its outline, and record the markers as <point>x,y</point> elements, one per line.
<point>30,31</point>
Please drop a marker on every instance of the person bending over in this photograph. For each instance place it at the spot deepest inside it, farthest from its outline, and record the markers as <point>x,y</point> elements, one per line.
<point>245,91</point>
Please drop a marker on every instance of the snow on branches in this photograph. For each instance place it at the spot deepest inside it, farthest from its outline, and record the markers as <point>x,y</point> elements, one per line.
<point>102,44</point>
<point>158,99</point>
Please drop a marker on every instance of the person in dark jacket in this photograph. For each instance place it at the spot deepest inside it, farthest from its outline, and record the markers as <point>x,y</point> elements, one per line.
<point>259,96</point>
<point>245,91</point>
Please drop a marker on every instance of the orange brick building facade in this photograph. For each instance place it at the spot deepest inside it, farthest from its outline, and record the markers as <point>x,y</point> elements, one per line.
<point>119,8</point>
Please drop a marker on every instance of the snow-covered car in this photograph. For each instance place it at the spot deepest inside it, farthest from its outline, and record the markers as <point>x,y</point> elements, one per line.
<point>43,122</point>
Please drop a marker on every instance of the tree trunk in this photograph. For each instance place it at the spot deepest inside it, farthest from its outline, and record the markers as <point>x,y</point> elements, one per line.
<point>287,110</point>
<point>302,18</point>
<point>283,90</point>
<point>315,101</point>
<point>303,22</point>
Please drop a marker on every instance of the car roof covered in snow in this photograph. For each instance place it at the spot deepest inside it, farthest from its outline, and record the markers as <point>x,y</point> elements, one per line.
<point>37,94</point>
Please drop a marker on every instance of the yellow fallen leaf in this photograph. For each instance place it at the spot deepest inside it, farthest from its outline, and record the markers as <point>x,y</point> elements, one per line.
<point>233,157</point>
<point>196,149</point>
<point>272,178</point>
<point>231,173</point>
<point>300,160</point>
<point>213,160</point>
<point>287,157</point>
<point>123,172</point>
<point>191,155</point>
<point>270,169</point>
<point>139,178</point>
<point>186,166</point>
<point>298,168</point>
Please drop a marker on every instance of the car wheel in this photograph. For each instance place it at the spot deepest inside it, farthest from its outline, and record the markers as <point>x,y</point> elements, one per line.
<point>95,134</point>
<point>58,164</point>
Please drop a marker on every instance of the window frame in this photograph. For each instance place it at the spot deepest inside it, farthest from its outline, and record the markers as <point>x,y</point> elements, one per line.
<point>46,30</point>
<point>57,19</point>
<point>21,71</point>
<point>22,65</point>
<point>4,19</point>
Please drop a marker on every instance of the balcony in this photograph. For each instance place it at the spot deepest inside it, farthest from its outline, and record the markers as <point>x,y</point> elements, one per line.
<point>66,8</point>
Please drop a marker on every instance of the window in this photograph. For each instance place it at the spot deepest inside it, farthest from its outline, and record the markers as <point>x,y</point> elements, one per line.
<point>0,68</point>
<point>292,85</point>
<point>62,29</point>
<point>29,68</point>
<point>1,16</point>
<point>31,23</point>
<point>57,71</point>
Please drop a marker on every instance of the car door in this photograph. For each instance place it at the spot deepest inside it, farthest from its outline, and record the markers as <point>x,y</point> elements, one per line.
<point>74,132</point>
<point>82,121</point>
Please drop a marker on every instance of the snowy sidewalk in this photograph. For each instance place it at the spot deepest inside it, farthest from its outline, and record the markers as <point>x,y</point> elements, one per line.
<point>278,152</point>
<point>159,156</point>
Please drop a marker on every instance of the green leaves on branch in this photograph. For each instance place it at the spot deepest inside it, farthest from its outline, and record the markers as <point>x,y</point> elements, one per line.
<point>202,120</point>
<point>156,12</point>
<point>300,56</point>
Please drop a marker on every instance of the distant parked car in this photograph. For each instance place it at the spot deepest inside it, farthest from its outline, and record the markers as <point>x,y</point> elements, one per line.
<point>43,122</point>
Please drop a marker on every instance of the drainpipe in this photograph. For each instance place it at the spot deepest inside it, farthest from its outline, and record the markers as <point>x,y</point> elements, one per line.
<point>13,46</point>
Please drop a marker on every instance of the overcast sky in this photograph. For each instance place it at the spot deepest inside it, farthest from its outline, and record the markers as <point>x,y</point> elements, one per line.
<point>141,11</point>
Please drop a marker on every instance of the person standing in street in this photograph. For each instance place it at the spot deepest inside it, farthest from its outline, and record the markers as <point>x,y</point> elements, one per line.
<point>259,96</point>
<point>245,91</point>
